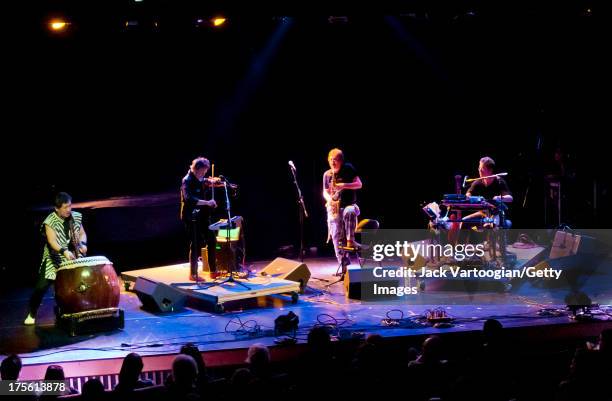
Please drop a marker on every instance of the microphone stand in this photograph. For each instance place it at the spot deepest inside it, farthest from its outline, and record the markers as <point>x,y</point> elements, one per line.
<point>303,213</point>
<point>193,262</point>
<point>230,279</point>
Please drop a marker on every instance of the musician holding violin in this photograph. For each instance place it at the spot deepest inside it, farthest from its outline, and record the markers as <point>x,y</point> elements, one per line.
<point>196,211</point>
<point>65,240</point>
<point>340,183</point>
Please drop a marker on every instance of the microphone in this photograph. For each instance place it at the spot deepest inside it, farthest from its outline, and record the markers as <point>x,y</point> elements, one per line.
<point>229,184</point>
<point>292,165</point>
<point>464,179</point>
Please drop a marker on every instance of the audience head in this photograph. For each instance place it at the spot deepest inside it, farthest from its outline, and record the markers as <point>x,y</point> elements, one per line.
<point>55,372</point>
<point>130,369</point>
<point>10,367</point>
<point>193,351</point>
<point>184,371</point>
<point>432,349</point>
<point>258,358</point>
<point>319,338</point>
<point>93,389</point>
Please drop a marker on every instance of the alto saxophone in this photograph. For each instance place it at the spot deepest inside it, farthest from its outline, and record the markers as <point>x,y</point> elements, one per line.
<point>334,202</point>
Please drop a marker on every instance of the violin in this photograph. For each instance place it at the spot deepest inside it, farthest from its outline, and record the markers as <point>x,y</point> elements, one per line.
<point>220,181</point>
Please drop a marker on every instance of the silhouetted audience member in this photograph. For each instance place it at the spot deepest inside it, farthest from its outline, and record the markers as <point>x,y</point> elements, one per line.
<point>56,372</point>
<point>493,332</point>
<point>431,354</point>
<point>495,352</point>
<point>317,364</point>
<point>394,362</point>
<point>93,390</point>
<point>375,339</point>
<point>193,351</point>
<point>240,384</point>
<point>429,371</point>
<point>265,383</point>
<point>368,362</point>
<point>181,387</point>
<point>10,367</point>
<point>258,359</point>
<point>587,380</point>
<point>184,375</point>
<point>489,374</point>
<point>129,375</point>
<point>319,356</point>
<point>319,341</point>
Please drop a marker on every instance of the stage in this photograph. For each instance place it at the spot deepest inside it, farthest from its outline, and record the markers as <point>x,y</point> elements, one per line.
<point>224,337</point>
<point>213,292</point>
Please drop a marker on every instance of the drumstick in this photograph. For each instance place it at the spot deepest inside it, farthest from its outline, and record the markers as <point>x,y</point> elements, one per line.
<point>482,178</point>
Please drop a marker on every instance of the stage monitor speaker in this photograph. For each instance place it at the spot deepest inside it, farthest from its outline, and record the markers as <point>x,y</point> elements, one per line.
<point>289,270</point>
<point>159,297</point>
<point>359,284</point>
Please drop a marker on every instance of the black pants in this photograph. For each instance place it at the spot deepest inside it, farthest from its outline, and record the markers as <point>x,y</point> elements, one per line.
<point>203,237</point>
<point>42,285</point>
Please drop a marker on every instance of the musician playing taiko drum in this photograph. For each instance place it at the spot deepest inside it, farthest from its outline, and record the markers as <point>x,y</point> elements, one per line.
<point>65,239</point>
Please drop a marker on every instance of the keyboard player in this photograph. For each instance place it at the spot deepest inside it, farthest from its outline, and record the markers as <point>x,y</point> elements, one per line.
<point>492,188</point>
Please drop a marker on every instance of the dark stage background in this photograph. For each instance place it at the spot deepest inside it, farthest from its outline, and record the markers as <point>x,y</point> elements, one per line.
<point>413,97</point>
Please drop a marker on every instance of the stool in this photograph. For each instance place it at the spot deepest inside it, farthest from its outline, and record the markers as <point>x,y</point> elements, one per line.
<point>346,252</point>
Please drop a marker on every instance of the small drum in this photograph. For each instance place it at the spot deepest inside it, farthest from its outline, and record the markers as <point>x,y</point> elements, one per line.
<point>86,284</point>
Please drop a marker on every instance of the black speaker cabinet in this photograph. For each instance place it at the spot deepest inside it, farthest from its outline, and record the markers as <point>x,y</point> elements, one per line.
<point>159,297</point>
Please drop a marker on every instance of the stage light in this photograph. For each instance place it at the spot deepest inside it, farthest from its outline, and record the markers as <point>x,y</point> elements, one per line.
<point>204,22</point>
<point>218,21</point>
<point>58,25</point>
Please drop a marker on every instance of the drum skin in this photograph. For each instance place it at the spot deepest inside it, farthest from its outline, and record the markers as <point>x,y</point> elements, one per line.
<point>89,286</point>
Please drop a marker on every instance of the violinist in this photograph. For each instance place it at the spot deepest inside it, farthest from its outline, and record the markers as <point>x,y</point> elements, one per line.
<point>196,212</point>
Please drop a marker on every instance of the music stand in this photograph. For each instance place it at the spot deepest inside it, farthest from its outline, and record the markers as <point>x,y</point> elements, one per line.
<point>230,278</point>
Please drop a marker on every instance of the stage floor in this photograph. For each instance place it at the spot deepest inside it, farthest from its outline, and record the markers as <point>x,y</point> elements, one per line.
<point>161,334</point>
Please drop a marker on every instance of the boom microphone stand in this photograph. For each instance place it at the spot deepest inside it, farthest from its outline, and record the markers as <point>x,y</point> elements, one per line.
<point>303,212</point>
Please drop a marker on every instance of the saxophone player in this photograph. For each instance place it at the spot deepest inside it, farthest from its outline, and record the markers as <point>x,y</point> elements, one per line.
<point>340,185</point>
